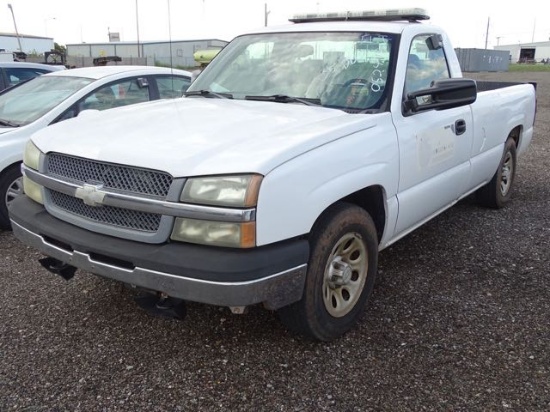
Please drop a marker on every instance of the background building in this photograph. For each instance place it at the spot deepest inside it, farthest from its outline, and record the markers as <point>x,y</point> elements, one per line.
<point>29,44</point>
<point>527,52</point>
<point>175,53</point>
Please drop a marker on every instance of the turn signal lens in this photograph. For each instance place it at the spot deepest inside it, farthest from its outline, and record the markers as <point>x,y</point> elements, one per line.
<point>205,232</point>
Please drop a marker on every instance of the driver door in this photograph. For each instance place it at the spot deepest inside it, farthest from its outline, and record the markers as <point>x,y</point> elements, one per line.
<point>434,145</point>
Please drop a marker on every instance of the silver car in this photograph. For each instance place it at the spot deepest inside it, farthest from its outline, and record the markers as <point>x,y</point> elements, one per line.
<point>12,73</point>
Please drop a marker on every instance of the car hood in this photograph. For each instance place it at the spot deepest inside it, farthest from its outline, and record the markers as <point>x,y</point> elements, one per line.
<point>6,129</point>
<point>201,136</point>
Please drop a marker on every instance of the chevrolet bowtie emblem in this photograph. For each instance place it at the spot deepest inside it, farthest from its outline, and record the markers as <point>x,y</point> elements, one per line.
<point>92,195</point>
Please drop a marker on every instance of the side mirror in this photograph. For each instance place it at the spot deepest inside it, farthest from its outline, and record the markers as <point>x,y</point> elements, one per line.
<point>442,94</point>
<point>142,82</point>
<point>434,42</point>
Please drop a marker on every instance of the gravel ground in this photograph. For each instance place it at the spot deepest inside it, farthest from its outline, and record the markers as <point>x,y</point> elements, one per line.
<point>459,321</point>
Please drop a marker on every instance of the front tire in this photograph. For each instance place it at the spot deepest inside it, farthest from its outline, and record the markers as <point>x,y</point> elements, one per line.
<point>498,192</point>
<point>11,186</point>
<point>340,277</point>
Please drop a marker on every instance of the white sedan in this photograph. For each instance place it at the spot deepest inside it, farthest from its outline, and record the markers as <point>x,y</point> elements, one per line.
<point>62,95</point>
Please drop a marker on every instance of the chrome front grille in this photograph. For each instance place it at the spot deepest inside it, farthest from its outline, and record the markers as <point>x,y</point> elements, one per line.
<point>117,177</point>
<point>114,221</point>
<point>107,215</point>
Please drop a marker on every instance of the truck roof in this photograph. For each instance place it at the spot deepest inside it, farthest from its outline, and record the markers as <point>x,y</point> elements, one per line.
<point>394,27</point>
<point>385,21</point>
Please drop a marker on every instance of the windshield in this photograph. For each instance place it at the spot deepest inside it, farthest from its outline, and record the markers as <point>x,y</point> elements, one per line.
<point>26,103</point>
<point>340,70</point>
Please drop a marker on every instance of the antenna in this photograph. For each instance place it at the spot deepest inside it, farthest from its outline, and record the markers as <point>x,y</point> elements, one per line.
<point>170,33</point>
<point>170,42</point>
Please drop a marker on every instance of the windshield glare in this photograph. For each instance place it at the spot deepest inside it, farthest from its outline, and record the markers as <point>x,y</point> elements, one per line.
<point>26,103</point>
<point>343,70</point>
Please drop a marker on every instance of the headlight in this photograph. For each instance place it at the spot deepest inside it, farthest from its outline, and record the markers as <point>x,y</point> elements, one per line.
<point>232,191</point>
<point>31,156</point>
<point>32,190</point>
<point>204,232</point>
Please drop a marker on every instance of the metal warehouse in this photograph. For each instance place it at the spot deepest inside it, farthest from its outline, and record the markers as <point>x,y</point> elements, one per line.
<point>527,52</point>
<point>29,44</point>
<point>175,53</point>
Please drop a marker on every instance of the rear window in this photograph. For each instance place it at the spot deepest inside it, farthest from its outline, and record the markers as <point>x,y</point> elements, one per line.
<point>17,75</point>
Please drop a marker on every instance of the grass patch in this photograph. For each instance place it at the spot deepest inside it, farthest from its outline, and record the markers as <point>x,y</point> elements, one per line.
<point>529,68</point>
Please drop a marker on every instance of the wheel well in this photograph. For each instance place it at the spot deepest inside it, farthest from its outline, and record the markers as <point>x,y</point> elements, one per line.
<point>371,199</point>
<point>8,167</point>
<point>515,134</point>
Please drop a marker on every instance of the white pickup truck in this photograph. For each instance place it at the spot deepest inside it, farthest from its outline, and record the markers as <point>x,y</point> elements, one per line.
<point>296,156</point>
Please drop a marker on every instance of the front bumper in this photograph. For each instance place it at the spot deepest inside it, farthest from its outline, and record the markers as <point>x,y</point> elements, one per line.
<point>273,275</point>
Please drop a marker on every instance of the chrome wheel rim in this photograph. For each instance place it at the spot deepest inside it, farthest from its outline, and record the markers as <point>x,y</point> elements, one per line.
<point>345,275</point>
<point>14,189</point>
<point>506,174</point>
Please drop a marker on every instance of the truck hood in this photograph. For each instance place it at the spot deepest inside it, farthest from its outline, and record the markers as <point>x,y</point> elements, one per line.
<point>201,136</point>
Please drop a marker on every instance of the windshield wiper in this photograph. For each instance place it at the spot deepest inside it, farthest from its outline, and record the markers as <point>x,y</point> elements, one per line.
<point>8,123</point>
<point>208,93</point>
<point>282,98</point>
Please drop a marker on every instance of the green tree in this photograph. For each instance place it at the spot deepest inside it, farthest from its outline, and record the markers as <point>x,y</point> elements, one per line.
<point>60,48</point>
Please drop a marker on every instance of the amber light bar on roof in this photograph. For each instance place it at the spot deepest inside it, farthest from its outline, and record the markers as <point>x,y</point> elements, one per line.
<point>375,15</point>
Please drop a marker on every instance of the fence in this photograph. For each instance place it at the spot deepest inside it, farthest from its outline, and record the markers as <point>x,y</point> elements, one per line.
<point>73,61</point>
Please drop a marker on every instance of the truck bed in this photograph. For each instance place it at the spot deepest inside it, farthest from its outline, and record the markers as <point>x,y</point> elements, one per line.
<point>483,85</point>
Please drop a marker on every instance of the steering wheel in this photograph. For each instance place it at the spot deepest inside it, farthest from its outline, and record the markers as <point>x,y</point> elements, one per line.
<point>356,82</point>
<point>358,93</point>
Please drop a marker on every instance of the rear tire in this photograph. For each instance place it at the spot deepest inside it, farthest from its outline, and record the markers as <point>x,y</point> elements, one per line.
<point>340,276</point>
<point>498,192</point>
<point>11,186</point>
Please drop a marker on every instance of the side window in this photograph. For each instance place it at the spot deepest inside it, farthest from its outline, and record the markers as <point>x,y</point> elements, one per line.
<point>172,86</point>
<point>102,99</point>
<point>117,94</point>
<point>16,75</point>
<point>426,63</point>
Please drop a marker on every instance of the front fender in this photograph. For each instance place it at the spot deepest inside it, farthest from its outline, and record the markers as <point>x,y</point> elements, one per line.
<point>295,194</point>
<point>11,152</point>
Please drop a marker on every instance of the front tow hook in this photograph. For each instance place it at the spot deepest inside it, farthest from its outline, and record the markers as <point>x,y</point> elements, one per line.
<point>58,267</point>
<point>161,305</point>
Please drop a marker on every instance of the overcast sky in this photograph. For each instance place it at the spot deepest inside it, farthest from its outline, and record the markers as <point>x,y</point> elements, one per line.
<point>90,21</point>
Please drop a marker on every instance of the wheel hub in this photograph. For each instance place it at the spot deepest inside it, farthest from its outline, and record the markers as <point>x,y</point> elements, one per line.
<point>339,273</point>
<point>345,275</point>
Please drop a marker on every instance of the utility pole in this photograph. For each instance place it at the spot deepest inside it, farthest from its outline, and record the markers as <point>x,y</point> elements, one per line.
<point>534,25</point>
<point>498,40</point>
<point>487,33</point>
<point>137,29</point>
<point>266,13</point>
<point>15,25</point>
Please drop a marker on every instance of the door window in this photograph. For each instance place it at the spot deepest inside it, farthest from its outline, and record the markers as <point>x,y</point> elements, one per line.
<point>117,94</point>
<point>172,86</point>
<point>426,63</point>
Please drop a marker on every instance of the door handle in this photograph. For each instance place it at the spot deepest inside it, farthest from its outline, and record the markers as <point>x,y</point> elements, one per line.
<point>460,127</point>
